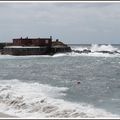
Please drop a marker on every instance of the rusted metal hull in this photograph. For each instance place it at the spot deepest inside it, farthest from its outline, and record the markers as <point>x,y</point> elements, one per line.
<point>26,51</point>
<point>35,46</point>
<point>35,51</point>
<point>32,42</point>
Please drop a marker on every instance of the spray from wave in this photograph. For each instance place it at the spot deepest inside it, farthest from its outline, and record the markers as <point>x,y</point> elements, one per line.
<point>97,50</point>
<point>101,48</point>
<point>34,100</point>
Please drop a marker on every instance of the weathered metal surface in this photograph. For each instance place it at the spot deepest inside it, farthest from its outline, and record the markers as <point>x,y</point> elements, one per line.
<point>32,42</point>
<point>26,51</point>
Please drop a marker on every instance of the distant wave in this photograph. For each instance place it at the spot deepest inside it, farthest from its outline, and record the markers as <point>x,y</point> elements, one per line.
<point>95,48</point>
<point>34,100</point>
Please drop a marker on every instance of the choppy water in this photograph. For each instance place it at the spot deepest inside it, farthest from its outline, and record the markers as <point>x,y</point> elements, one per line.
<point>47,86</point>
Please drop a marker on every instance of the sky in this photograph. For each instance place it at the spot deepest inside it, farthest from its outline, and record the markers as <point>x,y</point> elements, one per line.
<point>70,22</point>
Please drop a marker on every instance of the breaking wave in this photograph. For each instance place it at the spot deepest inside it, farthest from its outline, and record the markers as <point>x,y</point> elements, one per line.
<point>109,48</point>
<point>97,50</point>
<point>34,100</point>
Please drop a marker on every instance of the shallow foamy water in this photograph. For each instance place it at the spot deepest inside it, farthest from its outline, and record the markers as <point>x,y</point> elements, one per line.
<point>22,99</point>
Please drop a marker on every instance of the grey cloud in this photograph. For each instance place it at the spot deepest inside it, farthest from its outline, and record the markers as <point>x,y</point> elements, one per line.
<point>71,22</point>
<point>84,4</point>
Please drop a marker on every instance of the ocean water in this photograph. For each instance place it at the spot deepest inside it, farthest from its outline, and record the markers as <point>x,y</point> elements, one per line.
<point>70,85</point>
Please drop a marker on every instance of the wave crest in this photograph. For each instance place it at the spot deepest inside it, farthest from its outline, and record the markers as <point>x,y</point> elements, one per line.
<point>97,50</point>
<point>21,99</point>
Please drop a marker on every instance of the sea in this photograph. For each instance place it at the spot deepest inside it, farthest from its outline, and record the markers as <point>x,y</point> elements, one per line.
<point>65,85</point>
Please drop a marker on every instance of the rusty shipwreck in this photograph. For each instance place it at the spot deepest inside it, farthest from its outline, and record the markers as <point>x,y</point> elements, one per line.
<point>35,46</point>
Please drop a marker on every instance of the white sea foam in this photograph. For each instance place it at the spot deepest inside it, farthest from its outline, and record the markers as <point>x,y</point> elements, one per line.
<point>95,54</point>
<point>60,54</point>
<point>96,51</point>
<point>34,100</point>
<point>96,47</point>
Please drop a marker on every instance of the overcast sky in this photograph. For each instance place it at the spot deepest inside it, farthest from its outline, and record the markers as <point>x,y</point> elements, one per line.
<point>69,22</point>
